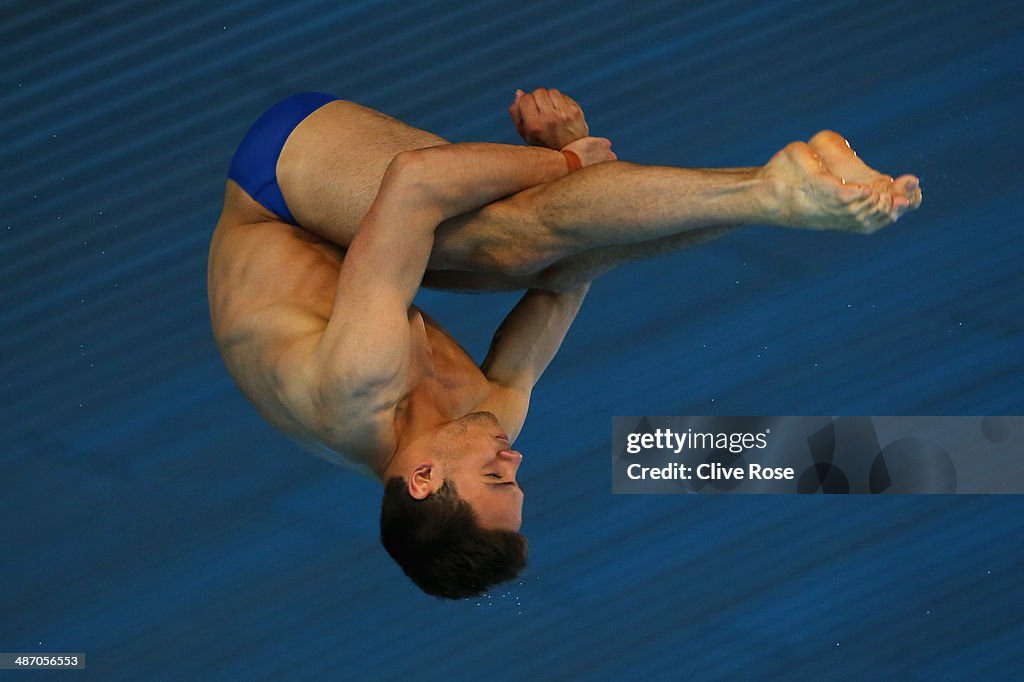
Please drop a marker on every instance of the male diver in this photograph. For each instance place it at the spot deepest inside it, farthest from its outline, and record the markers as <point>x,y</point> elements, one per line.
<point>335,214</point>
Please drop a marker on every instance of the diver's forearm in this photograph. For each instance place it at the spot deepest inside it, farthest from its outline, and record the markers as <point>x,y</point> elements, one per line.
<point>531,334</point>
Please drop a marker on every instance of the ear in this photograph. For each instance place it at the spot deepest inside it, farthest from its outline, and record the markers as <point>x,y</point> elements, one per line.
<point>424,480</point>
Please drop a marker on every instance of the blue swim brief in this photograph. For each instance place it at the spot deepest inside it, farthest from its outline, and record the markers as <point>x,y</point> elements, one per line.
<point>254,165</point>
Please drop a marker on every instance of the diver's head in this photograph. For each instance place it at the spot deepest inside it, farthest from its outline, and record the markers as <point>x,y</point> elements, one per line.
<point>451,520</point>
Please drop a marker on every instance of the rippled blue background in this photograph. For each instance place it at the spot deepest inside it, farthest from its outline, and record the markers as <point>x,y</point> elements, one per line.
<point>153,521</point>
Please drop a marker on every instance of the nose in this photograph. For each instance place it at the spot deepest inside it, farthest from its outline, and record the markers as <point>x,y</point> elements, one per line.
<point>512,457</point>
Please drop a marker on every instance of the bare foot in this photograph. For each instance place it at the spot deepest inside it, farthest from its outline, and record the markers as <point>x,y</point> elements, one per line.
<point>806,193</point>
<point>840,158</point>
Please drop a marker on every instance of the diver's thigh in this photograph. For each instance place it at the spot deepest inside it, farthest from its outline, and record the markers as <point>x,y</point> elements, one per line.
<point>331,168</point>
<point>332,164</point>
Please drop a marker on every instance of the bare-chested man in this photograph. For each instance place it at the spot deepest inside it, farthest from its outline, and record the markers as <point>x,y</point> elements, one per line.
<point>334,215</point>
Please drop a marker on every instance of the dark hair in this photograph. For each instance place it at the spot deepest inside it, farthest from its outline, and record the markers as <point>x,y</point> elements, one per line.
<point>441,546</point>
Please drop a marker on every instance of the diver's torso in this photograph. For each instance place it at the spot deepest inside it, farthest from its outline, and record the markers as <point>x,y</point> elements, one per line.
<point>269,279</point>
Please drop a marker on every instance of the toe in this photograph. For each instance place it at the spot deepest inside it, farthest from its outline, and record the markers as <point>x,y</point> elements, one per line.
<point>877,223</point>
<point>866,209</point>
<point>850,192</point>
<point>862,205</point>
<point>874,219</point>
<point>907,182</point>
<point>878,207</point>
<point>910,187</point>
<point>885,202</point>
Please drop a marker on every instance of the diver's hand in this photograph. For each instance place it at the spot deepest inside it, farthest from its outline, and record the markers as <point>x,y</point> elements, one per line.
<point>592,150</point>
<point>548,118</point>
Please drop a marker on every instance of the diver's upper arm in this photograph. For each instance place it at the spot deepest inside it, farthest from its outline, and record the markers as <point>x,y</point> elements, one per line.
<point>364,350</point>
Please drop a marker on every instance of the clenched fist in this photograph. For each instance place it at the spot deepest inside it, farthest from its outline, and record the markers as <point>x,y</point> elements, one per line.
<point>547,118</point>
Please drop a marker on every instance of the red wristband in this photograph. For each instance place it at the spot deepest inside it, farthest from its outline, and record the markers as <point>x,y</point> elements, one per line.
<point>573,160</point>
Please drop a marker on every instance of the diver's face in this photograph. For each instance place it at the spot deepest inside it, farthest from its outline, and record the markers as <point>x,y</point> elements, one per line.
<point>483,467</point>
